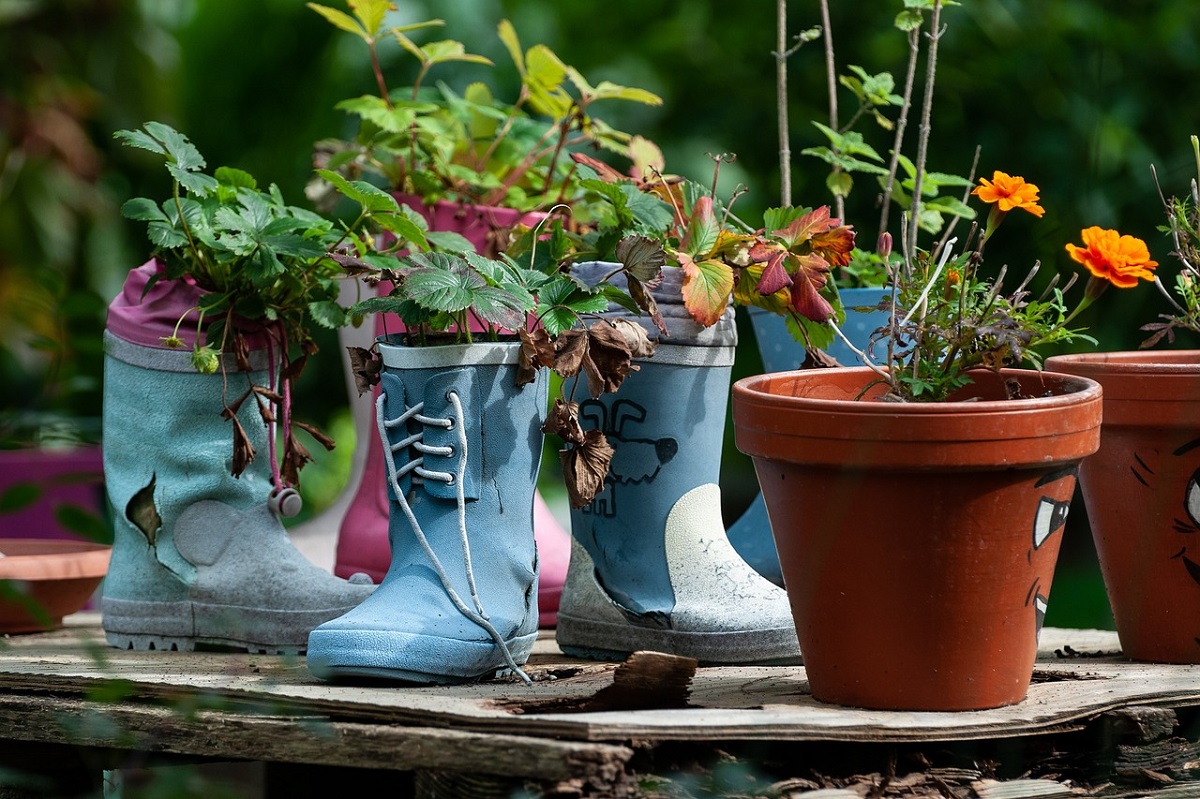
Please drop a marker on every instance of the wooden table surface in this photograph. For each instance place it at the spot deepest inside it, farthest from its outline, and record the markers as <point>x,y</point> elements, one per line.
<point>69,687</point>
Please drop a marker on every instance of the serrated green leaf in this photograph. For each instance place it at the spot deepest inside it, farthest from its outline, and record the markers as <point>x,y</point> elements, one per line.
<point>909,20</point>
<point>141,140</point>
<point>953,206</point>
<point>294,246</point>
<point>446,286</point>
<point>143,210</point>
<point>179,148</point>
<point>780,218</point>
<point>370,197</point>
<point>403,228</point>
<point>165,235</point>
<point>447,50</point>
<point>327,314</point>
<point>500,308</point>
<point>508,36</point>
<point>196,183</point>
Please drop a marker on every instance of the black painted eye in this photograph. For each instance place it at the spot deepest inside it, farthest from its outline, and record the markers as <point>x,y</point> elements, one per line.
<point>1051,516</point>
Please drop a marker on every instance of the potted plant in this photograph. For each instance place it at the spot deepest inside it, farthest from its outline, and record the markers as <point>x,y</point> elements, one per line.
<point>1140,489</point>
<point>459,415</point>
<point>651,566</point>
<point>202,444</point>
<point>929,596</point>
<point>475,166</point>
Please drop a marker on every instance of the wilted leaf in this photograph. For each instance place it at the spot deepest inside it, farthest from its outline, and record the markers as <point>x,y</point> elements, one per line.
<point>365,367</point>
<point>563,421</point>
<point>570,351</point>
<point>609,359</point>
<point>243,450</point>
<point>645,300</point>
<point>537,351</point>
<point>643,259</point>
<point>317,433</point>
<point>636,338</point>
<point>295,456</point>
<point>585,467</point>
<point>142,513</point>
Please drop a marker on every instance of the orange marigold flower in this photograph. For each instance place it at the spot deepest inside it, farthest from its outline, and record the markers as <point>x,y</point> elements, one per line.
<point>1108,255</point>
<point>1009,192</point>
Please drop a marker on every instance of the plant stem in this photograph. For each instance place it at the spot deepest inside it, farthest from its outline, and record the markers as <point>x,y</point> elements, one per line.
<point>914,49</point>
<point>831,84</point>
<point>383,89</point>
<point>926,119</point>
<point>781,103</point>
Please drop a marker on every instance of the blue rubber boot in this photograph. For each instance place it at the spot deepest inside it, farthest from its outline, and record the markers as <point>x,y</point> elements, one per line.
<point>751,533</point>
<point>651,567</point>
<point>462,446</point>
<point>199,557</point>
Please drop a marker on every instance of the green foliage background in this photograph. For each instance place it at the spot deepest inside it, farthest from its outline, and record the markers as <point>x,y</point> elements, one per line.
<point>1079,96</point>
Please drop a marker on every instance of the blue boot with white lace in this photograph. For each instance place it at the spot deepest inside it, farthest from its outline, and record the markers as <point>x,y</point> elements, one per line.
<point>462,445</point>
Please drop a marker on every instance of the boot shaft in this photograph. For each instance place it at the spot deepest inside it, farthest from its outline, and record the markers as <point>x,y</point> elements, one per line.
<point>459,426</point>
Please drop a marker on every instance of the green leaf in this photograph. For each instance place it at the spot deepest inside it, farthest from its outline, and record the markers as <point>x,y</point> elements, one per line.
<point>446,284</point>
<point>611,91</point>
<point>141,140</point>
<point>508,36</point>
<point>166,235</point>
<point>450,241</point>
<point>345,22</point>
<point>839,183</point>
<point>327,314</point>
<point>83,522</point>
<point>19,496</point>
<point>403,228</point>
<point>370,197</point>
<point>953,206</point>
<point>909,21</point>
<point>501,308</point>
<point>230,176</point>
<point>179,148</point>
<point>143,210</point>
<point>447,50</point>
<point>195,183</point>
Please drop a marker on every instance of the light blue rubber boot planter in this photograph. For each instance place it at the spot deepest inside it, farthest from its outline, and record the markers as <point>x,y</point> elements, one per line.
<point>198,556</point>
<point>462,445</point>
<point>751,533</point>
<point>651,567</point>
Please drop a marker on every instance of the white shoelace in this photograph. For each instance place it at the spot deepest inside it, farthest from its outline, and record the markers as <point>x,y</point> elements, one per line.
<point>416,466</point>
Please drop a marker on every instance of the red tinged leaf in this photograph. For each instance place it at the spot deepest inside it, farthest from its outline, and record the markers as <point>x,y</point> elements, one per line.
<point>603,170</point>
<point>707,286</point>
<point>703,229</point>
<point>810,277</point>
<point>804,228</point>
<point>835,245</point>
<point>774,277</point>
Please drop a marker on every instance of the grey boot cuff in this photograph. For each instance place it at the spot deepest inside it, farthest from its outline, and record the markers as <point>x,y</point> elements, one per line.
<point>169,360</point>
<point>682,329</point>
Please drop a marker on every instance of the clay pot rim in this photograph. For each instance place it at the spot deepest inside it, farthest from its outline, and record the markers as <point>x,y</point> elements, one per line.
<point>1088,390</point>
<point>1185,363</point>
<point>52,559</point>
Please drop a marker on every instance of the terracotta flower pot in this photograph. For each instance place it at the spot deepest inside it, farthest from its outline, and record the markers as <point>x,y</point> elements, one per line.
<point>51,578</point>
<point>1142,493</point>
<point>918,541</point>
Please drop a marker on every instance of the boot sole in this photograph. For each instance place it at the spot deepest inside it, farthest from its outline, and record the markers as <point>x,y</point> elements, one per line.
<point>410,657</point>
<point>598,640</point>
<point>181,626</point>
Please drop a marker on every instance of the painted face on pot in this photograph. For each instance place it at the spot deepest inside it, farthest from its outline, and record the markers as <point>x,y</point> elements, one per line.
<point>1055,490</point>
<point>1189,526</point>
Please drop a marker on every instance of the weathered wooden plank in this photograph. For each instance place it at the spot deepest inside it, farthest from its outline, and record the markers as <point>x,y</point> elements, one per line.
<point>291,739</point>
<point>735,703</point>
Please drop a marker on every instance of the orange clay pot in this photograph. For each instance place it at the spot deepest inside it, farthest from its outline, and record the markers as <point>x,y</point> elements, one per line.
<point>1143,498</point>
<point>44,580</point>
<point>917,540</point>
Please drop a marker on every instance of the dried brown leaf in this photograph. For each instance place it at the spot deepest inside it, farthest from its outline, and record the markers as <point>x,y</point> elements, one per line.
<point>563,421</point>
<point>321,437</point>
<point>585,466</point>
<point>365,367</point>
<point>609,359</point>
<point>243,450</point>
<point>537,350</point>
<point>570,352</point>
